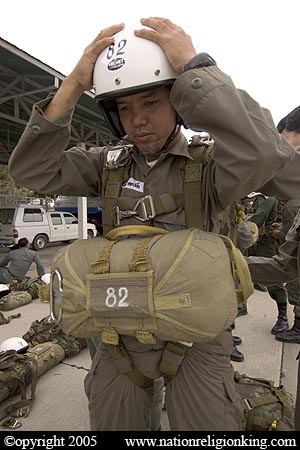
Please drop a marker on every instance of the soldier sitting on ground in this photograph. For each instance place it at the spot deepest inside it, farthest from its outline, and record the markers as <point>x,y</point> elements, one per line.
<point>17,262</point>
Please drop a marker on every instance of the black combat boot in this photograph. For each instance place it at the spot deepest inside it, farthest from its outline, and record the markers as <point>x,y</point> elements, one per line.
<point>292,335</point>
<point>282,322</point>
<point>236,355</point>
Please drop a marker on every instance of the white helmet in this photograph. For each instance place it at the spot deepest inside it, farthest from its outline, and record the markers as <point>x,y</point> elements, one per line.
<point>46,278</point>
<point>14,343</point>
<point>4,287</point>
<point>255,194</point>
<point>4,290</point>
<point>128,66</point>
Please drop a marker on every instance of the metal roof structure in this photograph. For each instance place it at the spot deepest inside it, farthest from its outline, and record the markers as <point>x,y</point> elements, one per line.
<point>24,80</point>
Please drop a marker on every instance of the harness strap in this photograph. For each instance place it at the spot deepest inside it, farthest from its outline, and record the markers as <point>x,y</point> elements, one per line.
<point>112,192</point>
<point>171,360</point>
<point>125,366</point>
<point>190,200</point>
<point>193,199</point>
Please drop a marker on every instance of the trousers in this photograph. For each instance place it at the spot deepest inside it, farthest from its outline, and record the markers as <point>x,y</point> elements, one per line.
<point>200,397</point>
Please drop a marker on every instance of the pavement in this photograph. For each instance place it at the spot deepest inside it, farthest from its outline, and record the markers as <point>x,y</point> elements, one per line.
<point>60,402</point>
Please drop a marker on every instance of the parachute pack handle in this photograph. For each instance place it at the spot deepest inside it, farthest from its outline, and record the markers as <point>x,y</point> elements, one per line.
<point>134,229</point>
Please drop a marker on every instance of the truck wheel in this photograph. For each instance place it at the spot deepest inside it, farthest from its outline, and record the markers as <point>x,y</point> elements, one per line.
<point>39,242</point>
<point>90,234</point>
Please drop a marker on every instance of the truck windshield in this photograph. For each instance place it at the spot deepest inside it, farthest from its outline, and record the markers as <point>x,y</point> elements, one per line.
<point>7,215</point>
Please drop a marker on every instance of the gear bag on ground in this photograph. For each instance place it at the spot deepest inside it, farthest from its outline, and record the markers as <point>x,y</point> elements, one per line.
<point>174,286</point>
<point>265,406</point>
<point>29,284</point>
<point>14,299</point>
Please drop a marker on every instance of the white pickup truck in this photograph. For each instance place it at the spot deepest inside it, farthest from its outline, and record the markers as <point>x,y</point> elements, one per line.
<point>38,225</point>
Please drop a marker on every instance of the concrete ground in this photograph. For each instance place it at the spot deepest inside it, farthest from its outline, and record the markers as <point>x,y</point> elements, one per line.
<point>61,404</point>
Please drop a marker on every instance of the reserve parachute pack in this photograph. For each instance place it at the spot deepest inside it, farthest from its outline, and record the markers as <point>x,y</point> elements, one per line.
<point>178,286</point>
<point>265,406</point>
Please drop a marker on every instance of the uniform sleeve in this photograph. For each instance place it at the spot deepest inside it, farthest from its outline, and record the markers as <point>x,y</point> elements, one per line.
<point>263,213</point>
<point>39,266</point>
<point>249,151</point>
<point>41,162</point>
<point>5,260</point>
<point>280,268</point>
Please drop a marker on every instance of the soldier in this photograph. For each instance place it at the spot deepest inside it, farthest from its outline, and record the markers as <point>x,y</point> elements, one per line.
<point>289,127</point>
<point>148,83</point>
<point>283,267</point>
<point>265,215</point>
<point>17,262</point>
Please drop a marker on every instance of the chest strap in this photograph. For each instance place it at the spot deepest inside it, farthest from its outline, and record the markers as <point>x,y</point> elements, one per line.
<point>146,208</point>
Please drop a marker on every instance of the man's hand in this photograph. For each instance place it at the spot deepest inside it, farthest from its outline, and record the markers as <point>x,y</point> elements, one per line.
<point>176,44</point>
<point>81,77</point>
<point>82,74</point>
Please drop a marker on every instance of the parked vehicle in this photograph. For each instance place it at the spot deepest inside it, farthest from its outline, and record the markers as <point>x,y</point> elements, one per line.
<point>38,225</point>
<point>70,204</point>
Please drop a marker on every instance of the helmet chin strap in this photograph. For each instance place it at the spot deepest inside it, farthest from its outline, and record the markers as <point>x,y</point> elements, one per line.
<point>170,137</point>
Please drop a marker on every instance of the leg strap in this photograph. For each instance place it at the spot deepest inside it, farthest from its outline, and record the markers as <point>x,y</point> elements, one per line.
<point>125,366</point>
<point>171,360</point>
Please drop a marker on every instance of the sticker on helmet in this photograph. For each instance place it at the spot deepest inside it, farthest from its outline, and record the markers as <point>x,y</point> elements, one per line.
<point>118,60</point>
<point>116,64</point>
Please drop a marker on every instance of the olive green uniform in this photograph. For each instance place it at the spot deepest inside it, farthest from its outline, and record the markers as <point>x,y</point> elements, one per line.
<point>290,210</point>
<point>284,267</point>
<point>202,395</point>
<point>266,213</point>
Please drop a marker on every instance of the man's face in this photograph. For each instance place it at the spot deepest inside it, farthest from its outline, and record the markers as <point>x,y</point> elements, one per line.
<point>148,118</point>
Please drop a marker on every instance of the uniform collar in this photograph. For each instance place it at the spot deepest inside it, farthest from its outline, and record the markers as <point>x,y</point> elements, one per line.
<point>179,149</point>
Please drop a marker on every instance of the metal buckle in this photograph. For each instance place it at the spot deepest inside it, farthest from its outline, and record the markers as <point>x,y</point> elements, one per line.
<point>120,214</point>
<point>11,422</point>
<point>23,412</point>
<point>139,211</point>
<point>56,292</point>
<point>143,215</point>
<point>247,403</point>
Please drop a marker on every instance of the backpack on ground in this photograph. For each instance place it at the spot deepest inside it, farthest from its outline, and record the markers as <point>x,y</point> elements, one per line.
<point>266,407</point>
<point>177,286</point>
<point>46,355</point>
<point>29,284</point>
<point>46,330</point>
<point>14,299</point>
<point>17,371</point>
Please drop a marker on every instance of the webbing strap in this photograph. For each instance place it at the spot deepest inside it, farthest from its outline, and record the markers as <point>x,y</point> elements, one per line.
<point>255,402</point>
<point>139,261</point>
<point>102,265</point>
<point>193,199</point>
<point>4,320</point>
<point>171,360</point>
<point>125,366</point>
<point>112,192</point>
<point>20,408</point>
